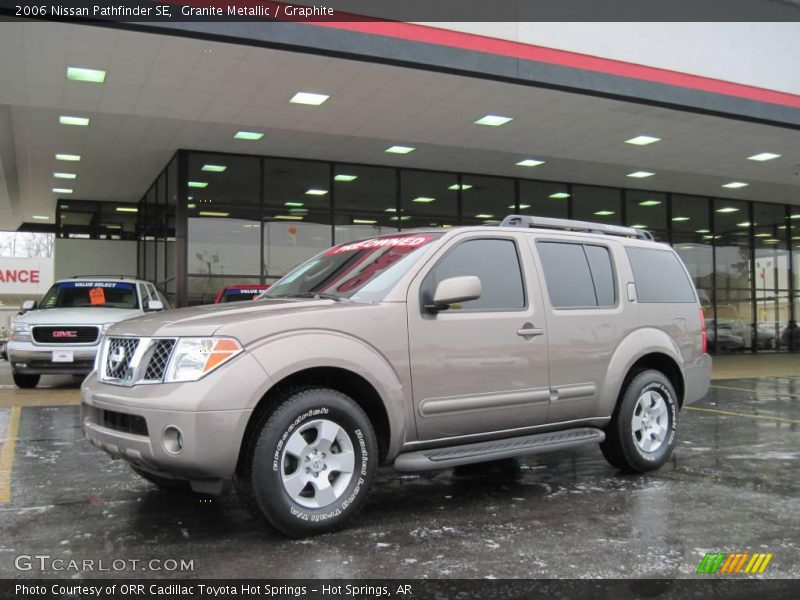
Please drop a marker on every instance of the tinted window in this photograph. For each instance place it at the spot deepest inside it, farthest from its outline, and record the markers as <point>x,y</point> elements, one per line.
<point>494,262</point>
<point>602,274</point>
<point>566,271</point>
<point>660,276</point>
<point>101,294</point>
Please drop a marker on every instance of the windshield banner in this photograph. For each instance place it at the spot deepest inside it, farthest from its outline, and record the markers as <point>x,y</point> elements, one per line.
<point>119,285</point>
<point>406,241</point>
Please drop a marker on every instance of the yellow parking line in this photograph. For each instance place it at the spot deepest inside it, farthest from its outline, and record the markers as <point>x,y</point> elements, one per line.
<point>7,454</point>
<point>752,391</point>
<point>738,414</point>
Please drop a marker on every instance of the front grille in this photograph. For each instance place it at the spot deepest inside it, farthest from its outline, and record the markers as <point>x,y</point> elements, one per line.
<point>64,334</point>
<point>118,356</point>
<point>157,365</point>
<point>120,421</point>
<point>46,365</point>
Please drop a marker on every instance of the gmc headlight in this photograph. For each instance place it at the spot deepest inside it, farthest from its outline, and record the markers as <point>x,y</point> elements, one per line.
<point>194,358</point>
<point>20,332</point>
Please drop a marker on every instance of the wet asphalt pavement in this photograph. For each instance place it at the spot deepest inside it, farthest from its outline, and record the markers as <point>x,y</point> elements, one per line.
<point>732,485</point>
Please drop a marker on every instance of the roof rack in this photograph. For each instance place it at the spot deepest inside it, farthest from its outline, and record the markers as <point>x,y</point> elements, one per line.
<point>93,276</point>
<point>570,225</point>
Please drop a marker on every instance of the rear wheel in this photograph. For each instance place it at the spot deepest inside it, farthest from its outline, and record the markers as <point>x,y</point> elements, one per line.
<point>26,382</point>
<point>311,463</point>
<point>642,432</point>
<point>164,483</point>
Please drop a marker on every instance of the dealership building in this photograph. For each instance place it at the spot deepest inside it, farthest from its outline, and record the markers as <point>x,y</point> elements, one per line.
<point>199,155</point>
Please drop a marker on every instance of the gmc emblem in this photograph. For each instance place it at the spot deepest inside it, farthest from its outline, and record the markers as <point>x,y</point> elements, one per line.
<point>65,334</point>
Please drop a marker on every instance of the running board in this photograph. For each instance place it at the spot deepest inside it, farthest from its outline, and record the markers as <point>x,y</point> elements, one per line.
<point>443,458</point>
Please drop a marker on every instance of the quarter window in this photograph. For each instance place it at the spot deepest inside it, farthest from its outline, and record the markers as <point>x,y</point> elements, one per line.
<point>578,275</point>
<point>495,262</point>
<point>660,277</point>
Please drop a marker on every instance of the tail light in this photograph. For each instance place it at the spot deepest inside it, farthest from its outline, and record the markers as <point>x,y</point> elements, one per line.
<point>703,332</point>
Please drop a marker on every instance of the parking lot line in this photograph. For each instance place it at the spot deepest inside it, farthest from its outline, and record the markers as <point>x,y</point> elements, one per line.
<point>52,398</point>
<point>7,454</point>
<point>751,391</point>
<point>739,414</point>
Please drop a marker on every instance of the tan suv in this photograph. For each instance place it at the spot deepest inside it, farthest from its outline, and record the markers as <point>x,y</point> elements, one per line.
<point>422,350</point>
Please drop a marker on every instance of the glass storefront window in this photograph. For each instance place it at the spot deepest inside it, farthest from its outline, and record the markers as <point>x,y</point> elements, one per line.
<point>733,244</point>
<point>224,241</point>
<point>486,200</point>
<point>544,199</point>
<point>602,205</point>
<point>428,199</point>
<point>731,328</point>
<point>223,179</point>
<point>648,210</point>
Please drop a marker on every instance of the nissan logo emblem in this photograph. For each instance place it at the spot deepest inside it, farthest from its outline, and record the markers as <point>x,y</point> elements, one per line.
<point>116,358</point>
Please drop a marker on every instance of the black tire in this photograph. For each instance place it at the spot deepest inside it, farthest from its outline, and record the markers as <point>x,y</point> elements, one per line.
<point>26,382</point>
<point>267,460</point>
<point>164,483</point>
<point>620,447</point>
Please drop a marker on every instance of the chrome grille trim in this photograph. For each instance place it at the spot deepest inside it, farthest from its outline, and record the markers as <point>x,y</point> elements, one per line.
<point>144,360</point>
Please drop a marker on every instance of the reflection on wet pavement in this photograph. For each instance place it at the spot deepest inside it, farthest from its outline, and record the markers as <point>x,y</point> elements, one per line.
<point>731,485</point>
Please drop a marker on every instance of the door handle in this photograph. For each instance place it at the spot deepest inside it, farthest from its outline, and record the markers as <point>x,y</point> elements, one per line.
<point>529,330</point>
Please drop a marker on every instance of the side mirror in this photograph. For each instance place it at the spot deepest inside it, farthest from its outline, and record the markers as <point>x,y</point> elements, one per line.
<point>153,305</point>
<point>28,305</point>
<point>454,291</point>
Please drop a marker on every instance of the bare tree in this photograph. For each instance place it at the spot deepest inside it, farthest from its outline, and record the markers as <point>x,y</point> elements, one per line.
<point>15,244</point>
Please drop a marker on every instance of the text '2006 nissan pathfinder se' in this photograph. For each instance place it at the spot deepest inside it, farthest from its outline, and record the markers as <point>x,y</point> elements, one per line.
<point>424,350</point>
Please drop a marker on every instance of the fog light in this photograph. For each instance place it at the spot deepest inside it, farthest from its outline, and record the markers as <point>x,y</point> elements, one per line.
<point>173,439</point>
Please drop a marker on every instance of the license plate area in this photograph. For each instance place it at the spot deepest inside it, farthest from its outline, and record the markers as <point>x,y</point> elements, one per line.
<point>63,356</point>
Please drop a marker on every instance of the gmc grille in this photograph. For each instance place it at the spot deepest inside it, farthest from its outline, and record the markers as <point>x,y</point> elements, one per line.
<point>64,334</point>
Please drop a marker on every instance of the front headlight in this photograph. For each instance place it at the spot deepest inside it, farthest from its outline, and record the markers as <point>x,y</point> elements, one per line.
<point>194,358</point>
<point>20,332</point>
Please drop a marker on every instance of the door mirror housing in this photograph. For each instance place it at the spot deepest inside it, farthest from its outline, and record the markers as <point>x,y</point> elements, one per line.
<point>454,291</point>
<point>153,305</point>
<point>28,305</point>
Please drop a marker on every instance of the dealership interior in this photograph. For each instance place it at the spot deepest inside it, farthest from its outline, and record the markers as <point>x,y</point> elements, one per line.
<point>196,161</point>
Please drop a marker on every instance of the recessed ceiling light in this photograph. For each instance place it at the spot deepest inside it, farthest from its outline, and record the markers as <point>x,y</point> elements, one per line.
<point>191,206</point>
<point>735,185</point>
<point>210,213</point>
<point>41,217</point>
<point>771,241</point>
<point>681,219</point>
<point>727,209</point>
<point>493,120</point>
<point>293,204</point>
<point>745,224</point>
<point>702,231</point>
<point>483,216</point>
<point>559,195</point>
<point>288,217</point>
<point>399,149</point>
<point>604,213</point>
<point>796,216</point>
<point>308,98</point>
<point>462,187</point>
<point>90,75</point>
<point>62,190</point>
<point>521,206</point>
<point>131,209</point>
<point>214,168</point>
<point>391,210</point>
<point>423,199</point>
<point>649,202</point>
<point>298,210</point>
<point>364,222</point>
<point>530,162</point>
<point>316,192</point>
<point>763,235</point>
<point>642,140</point>
<point>343,177</point>
<point>764,156</point>
<point>197,184</point>
<point>395,218</point>
<point>68,157</point>
<point>640,174</point>
<point>639,226</point>
<point>64,175</point>
<point>67,120</point>
<point>248,135</point>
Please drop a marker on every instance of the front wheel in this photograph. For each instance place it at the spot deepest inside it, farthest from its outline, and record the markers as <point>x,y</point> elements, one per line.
<point>26,382</point>
<point>642,432</point>
<point>312,463</point>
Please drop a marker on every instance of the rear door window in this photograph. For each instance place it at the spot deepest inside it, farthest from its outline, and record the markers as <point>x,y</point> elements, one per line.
<point>660,277</point>
<point>578,275</point>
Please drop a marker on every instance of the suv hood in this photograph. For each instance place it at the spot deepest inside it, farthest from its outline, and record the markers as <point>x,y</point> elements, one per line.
<point>76,316</point>
<point>208,319</point>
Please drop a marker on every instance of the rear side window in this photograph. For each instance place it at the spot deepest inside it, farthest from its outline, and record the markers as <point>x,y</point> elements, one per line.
<point>494,262</point>
<point>578,275</point>
<point>660,277</point>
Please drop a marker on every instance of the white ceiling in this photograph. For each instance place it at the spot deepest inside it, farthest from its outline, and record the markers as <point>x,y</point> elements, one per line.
<point>164,93</point>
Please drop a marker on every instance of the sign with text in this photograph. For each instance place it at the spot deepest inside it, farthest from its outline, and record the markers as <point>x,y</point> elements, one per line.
<point>25,276</point>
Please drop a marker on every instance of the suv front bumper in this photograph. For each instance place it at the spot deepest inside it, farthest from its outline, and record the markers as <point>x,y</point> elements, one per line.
<point>37,359</point>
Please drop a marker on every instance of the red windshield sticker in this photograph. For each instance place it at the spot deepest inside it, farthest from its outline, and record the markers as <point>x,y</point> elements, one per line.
<point>385,260</point>
<point>97,296</point>
<point>408,241</point>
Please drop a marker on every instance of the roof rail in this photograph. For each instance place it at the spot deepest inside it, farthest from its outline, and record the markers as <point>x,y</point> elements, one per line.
<point>570,225</point>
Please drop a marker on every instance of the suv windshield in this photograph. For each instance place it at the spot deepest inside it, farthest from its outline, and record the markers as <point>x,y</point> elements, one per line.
<point>81,294</point>
<point>362,271</point>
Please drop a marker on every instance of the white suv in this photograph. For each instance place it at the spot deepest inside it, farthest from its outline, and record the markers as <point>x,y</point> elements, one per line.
<point>61,335</point>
